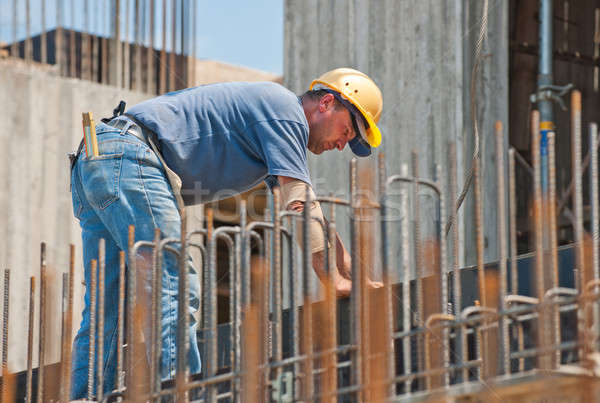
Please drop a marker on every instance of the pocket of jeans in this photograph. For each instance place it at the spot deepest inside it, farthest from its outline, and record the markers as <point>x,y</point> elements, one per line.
<point>100,177</point>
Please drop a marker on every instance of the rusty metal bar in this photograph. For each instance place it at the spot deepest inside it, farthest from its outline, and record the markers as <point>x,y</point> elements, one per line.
<point>14,48</point>
<point>456,272</point>
<point>92,334</point>
<point>72,55</point>
<point>172,61</point>
<point>418,259</point>
<point>120,378</point>
<point>43,43</point>
<point>594,202</point>
<point>131,306</point>
<point>5,320</point>
<point>150,79</point>
<point>355,295</point>
<point>578,189</point>
<point>277,275</point>
<point>406,306</point>
<point>183,316</point>
<point>28,45</point>
<point>30,325</point>
<point>42,326</point>
<point>101,276</point>
<point>553,239</point>
<point>155,308</point>
<point>163,52</point>
<point>390,323</point>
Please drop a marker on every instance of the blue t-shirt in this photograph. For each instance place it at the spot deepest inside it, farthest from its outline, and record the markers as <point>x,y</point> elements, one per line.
<point>223,139</point>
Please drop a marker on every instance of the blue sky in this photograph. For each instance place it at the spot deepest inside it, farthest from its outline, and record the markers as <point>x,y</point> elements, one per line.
<point>243,32</point>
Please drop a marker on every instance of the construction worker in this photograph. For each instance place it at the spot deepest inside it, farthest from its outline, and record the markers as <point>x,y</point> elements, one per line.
<point>194,146</point>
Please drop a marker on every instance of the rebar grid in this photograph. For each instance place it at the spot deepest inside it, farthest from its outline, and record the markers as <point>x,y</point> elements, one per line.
<point>417,334</point>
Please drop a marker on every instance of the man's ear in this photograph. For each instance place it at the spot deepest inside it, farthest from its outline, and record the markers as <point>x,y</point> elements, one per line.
<point>326,102</point>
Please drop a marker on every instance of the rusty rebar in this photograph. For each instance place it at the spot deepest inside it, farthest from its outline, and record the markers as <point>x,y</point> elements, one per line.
<point>155,307</point>
<point>355,294</point>
<point>42,325</point>
<point>418,259</point>
<point>101,285</point>
<point>30,326</point>
<point>406,306</point>
<point>277,274</point>
<point>120,377</point>
<point>92,334</point>
<point>552,227</point>
<point>182,346</point>
<point>5,321</point>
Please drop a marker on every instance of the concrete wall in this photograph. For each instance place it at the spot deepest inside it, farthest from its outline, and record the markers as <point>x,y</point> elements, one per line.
<point>40,122</point>
<point>420,52</point>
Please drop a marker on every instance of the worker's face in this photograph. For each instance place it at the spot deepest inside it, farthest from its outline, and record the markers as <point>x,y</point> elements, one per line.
<point>329,126</point>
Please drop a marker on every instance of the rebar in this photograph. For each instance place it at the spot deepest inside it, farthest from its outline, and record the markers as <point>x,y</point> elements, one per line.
<point>30,325</point>
<point>42,325</point>
<point>182,342</point>
<point>120,376</point>
<point>5,319</point>
<point>92,333</point>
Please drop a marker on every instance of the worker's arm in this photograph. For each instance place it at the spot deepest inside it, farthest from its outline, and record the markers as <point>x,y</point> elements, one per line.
<point>342,276</point>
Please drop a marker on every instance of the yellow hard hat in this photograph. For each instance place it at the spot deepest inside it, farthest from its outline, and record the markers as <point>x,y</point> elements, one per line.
<point>358,89</point>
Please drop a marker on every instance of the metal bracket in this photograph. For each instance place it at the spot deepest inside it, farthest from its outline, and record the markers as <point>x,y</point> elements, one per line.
<point>283,388</point>
<point>552,93</point>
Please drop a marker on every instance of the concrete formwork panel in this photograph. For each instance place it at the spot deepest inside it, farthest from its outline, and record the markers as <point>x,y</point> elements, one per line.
<point>421,54</point>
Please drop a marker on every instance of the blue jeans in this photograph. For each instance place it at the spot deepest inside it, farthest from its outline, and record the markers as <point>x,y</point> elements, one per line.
<point>126,184</point>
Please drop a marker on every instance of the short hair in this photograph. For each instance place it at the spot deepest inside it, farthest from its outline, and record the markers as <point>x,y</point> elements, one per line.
<point>315,95</point>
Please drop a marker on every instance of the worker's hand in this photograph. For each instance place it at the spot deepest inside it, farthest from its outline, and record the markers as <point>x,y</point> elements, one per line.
<point>343,286</point>
<point>374,284</point>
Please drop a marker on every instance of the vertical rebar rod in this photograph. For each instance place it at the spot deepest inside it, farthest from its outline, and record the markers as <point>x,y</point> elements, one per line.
<point>462,375</point>
<point>329,360</point>
<point>172,61</point>
<point>596,45</point>
<point>94,38</point>
<point>578,192</point>
<point>137,78</point>
<point>307,324</point>
<point>43,44</point>
<point>101,276</point>
<point>406,308</point>
<point>127,49</point>
<point>72,55</point>
<point>553,240</point>
<point>538,231</point>
<point>5,321</point>
<point>28,47</point>
<point>64,398</point>
<point>131,308</point>
<point>294,279</point>
<point>416,208</point>
<point>163,51</point>
<point>443,271</point>
<point>85,49</point>
<point>211,308</point>
<point>512,221</point>
<point>502,245</point>
<point>150,79</point>
<point>117,58</point>
<point>92,334</point>
<point>155,337</point>
<point>30,326</point>
<point>104,41</point>
<point>355,295</point>
<point>265,306</point>
<point>42,326</point>
<point>277,274</point>
<point>387,279</point>
<point>183,316</point>
<point>184,60</point>
<point>479,231</point>
<point>14,48</point>
<point>58,46</point>
<point>69,322</point>
<point>237,313</point>
<point>595,228</point>
<point>119,381</point>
